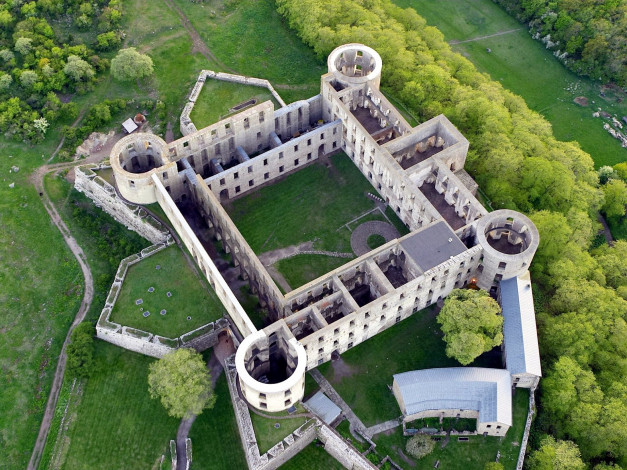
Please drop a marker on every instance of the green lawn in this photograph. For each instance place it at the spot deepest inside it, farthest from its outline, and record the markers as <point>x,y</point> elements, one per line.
<point>268,435</point>
<point>215,437</point>
<point>474,453</point>
<point>312,457</point>
<point>218,97</point>
<point>525,67</point>
<point>117,425</point>
<point>301,269</point>
<point>251,38</point>
<point>311,204</point>
<point>191,296</point>
<point>415,343</point>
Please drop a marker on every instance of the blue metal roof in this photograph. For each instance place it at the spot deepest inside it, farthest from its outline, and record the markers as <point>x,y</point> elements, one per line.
<point>519,328</point>
<point>487,391</point>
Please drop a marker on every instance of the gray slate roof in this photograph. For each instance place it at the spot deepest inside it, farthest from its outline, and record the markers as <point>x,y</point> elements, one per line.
<point>324,407</point>
<point>519,328</point>
<point>487,391</point>
<point>431,246</point>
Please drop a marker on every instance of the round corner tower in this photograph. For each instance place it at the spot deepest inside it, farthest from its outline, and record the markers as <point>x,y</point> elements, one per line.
<point>355,64</point>
<point>134,159</point>
<point>509,240</point>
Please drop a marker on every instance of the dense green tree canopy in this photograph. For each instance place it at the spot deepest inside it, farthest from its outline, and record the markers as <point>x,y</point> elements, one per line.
<point>556,455</point>
<point>181,381</point>
<point>471,323</point>
<point>129,64</point>
<point>80,351</point>
<point>615,192</point>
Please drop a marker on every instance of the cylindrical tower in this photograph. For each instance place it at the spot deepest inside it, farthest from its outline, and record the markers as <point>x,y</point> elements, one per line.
<point>271,370</point>
<point>509,240</point>
<point>134,159</point>
<point>355,64</point>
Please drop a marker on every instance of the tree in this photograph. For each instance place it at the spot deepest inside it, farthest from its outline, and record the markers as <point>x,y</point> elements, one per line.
<point>23,45</point>
<point>5,81</point>
<point>420,446</point>
<point>77,69</point>
<point>80,351</point>
<point>41,125</point>
<point>182,382</point>
<point>471,324</point>
<point>615,198</point>
<point>28,78</point>
<point>129,64</point>
<point>556,455</point>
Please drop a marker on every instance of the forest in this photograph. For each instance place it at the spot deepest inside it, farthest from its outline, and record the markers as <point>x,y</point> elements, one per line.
<point>41,66</point>
<point>580,290</point>
<point>589,36</point>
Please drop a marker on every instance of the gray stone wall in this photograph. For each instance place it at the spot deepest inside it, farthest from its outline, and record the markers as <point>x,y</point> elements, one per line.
<point>104,196</point>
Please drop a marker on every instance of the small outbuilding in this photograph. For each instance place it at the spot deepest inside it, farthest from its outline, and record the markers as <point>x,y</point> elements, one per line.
<point>129,126</point>
<point>324,408</point>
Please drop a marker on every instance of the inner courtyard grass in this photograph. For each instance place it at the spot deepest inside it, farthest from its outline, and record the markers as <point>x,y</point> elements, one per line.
<point>218,97</point>
<point>216,443</point>
<point>414,343</point>
<point>301,269</point>
<point>312,457</point>
<point>191,296</point>
<point>117,424</point>
<point>474,453</point>
<point>522,65</point>
<point>311,204</point>
<point>266,433</point>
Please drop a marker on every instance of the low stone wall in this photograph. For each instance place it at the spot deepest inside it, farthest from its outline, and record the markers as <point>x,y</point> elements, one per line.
<point>525,439</point>
<point>103,195</point>
<point>343,452</point>
<point>187,126</point>
<point>145,342</point>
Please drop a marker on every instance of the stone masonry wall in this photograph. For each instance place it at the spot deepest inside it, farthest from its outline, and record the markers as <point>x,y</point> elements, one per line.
<point>104,196</point>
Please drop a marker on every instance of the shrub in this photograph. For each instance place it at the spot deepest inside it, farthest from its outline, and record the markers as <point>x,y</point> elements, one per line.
<point>420,446</point>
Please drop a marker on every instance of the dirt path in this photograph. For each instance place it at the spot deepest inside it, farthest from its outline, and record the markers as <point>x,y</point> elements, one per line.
<point>279,279</point>
<point>606,229</point>
<point>479,38</point>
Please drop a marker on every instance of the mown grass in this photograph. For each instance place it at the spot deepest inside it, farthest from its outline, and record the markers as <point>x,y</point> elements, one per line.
<point>251,38</point>
<point>525,67</point>
<point>312,457</point>
<point>267,435</point>
<point>191,296</point>
<point>474,453</point>
<point>216,443</point>
<point>311,204</point>
<point>218,97</point>
<point>414,343</point>
<point>301,269</point>
<point>117,424</point>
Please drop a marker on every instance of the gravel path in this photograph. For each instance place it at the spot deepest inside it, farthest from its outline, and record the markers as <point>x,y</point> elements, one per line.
<point>359,237</point>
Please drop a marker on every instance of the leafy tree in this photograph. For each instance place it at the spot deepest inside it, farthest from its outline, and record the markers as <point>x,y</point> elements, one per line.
<point>182,382</point>
<point>420,446</point>
<point>619,168</point>
<point>129,64</point>
<point>615,198</point>
<point>613,262</point>
<point>606,173</point>
<point>471,324</point>
<point>5,81</point>
<point>80,351</point>
<point>28,78</point>
<point>77,69</point>
<point>23,45</point>
<point>41,125</point>
<point>556,455</point>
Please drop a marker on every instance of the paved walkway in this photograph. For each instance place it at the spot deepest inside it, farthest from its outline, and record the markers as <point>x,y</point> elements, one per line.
<point>329,391</point>
<point>382,427</point>
<point>359,237</point>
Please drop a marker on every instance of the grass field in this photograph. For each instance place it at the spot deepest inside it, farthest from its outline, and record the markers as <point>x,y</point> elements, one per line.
<point>266,433</point>
<point>117,425</point>
<point>301,269</point>
<point>311,204</point>
<point>191,296</point>
<point>474,453</point>
<point>415,343</point>
<point>312,457</point>
<point>525,67</point>
<point>215,438</point>
<point>217,98</point>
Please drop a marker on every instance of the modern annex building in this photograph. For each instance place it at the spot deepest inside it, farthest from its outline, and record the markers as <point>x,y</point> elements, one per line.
<point>419,171</point>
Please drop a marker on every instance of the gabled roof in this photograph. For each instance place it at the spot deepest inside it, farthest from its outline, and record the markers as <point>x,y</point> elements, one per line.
<point>487,391</point>
<point>324,407</point>
<point>519,328</point>
<point>129,125</point>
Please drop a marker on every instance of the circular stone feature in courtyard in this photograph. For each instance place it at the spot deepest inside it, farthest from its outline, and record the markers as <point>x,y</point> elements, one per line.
<point>158,267</point>
<point>169,294</point>
<point>189,318</point>
<point>151,289</point>
<point>277,425</point>
<point>146,313</point>
<point>361,235</point>
<point>139,301</point>
<point>162,312</point>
